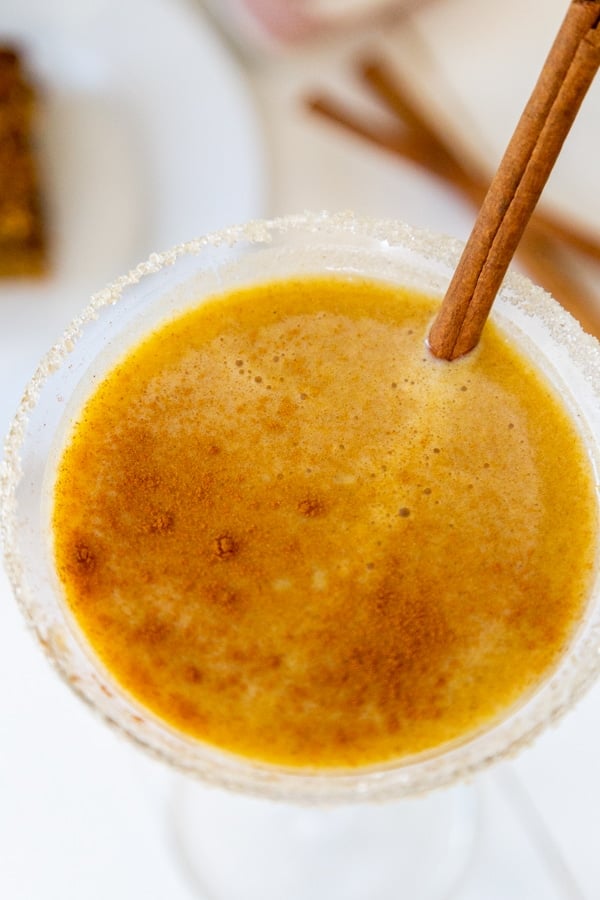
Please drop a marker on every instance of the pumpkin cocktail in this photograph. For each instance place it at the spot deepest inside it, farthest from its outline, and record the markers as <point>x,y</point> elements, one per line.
<point>291,532</point>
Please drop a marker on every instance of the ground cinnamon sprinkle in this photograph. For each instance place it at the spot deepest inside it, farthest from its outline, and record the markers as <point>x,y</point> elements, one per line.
<point>310,506</point>
<point>304,561</point>
<point>225,546</point>
<point>160,523</point>
<point>84,556</point>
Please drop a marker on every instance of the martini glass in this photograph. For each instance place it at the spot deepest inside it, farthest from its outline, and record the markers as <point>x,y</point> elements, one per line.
<point>263,830</point>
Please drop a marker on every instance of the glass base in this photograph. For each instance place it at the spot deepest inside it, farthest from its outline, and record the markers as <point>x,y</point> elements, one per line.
<point>240,848</point>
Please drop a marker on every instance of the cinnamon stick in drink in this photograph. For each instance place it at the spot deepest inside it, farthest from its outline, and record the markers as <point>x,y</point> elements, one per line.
<point>419,141</point>
<point>516,187</point>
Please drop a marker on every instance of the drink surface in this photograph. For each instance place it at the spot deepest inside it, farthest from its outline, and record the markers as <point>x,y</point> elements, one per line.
<point>290,532</point>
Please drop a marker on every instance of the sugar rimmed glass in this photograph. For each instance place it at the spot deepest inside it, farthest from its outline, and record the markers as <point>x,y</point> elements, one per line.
<point>156,291</point>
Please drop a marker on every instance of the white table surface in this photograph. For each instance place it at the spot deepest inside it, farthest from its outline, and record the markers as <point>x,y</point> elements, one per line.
<point>85,815</point>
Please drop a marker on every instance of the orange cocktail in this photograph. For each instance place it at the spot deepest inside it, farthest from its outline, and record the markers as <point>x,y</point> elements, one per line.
<point>289,531</point>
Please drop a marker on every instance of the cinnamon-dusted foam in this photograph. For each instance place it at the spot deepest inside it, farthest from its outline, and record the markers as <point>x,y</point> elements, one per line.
<point>290,532</point>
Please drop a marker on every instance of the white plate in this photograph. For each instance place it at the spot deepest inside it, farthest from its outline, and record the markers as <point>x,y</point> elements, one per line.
<point>148,137</point>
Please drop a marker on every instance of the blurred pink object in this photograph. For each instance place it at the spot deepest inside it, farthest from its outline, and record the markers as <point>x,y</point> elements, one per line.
<point>272,23</point>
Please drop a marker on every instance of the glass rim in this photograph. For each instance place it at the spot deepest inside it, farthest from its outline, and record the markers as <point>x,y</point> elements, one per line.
<point>406,777</point>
